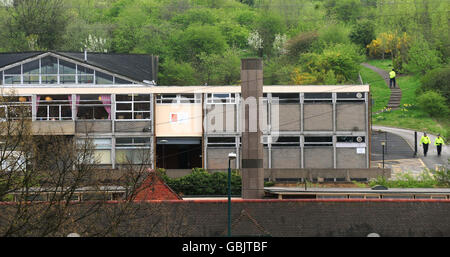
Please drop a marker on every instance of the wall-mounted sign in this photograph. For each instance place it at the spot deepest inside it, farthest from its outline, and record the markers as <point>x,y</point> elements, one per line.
<point>178,117</point>
<point>360,150</point>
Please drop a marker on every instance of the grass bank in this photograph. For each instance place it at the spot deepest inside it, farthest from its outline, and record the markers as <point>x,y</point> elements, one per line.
<point>409,116</point>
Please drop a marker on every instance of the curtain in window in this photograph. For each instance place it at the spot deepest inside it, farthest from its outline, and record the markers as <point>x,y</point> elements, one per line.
<point>106,100</point>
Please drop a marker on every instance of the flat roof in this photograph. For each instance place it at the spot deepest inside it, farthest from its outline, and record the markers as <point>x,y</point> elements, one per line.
<point>301,190</point>
<point>141,89</point>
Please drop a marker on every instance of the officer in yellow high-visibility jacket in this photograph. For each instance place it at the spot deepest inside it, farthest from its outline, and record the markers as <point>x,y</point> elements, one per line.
<point>438,142</point>
<point>425,141</point>
<point>392,78</point>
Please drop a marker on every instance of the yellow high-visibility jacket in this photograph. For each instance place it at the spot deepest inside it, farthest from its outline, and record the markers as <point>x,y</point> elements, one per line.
<point>439,141</point>
<point>425,140</point>
<point>392,74</point>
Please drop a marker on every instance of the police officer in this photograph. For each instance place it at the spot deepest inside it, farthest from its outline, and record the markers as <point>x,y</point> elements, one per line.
<point>438,142</point>
<point>392,78</point>
<point>425,141</point>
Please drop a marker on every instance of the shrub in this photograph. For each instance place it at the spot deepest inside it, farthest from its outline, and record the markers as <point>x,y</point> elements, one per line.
<point>437,80</point>
<point>433,103</point>
<point>363,33</point>
<point>300,44</point>
<point>421,58</point>
<point>201,182</point>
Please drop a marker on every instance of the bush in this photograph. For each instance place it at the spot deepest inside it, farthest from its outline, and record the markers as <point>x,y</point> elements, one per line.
<point>201,182</point>
<point>437,80</point>
<point>300,44</point>
<point>363,33</point>
<point>421,58</point>
<point>433,103</point>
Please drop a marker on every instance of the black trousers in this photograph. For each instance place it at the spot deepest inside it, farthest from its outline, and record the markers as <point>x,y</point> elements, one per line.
<point>439,149</point>
<point>425,149</point>
<point>391,82</point>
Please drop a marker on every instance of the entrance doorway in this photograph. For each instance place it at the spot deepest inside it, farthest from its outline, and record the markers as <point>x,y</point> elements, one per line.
<point>179,153</point>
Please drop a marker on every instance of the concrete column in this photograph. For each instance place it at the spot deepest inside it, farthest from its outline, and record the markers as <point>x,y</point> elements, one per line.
<point>252,147</point>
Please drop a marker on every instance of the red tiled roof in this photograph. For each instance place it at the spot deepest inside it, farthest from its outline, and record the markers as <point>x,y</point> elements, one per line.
<point>154,188</point>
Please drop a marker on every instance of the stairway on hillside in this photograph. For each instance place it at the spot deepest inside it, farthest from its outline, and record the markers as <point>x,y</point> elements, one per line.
<point>396,97</point>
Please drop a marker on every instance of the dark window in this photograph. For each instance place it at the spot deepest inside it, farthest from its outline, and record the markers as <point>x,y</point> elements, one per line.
<point>351,139</point>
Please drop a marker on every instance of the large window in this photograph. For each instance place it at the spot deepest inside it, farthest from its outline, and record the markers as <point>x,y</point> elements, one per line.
<point>133,150</point>
<point>93,107</point>
<point>16,107</point>
<point>101,149</point>
<point>53,107</point>
<point>53,70</point>
<point>178,98</point>
<point>225,98</point>
<point>133,107</point>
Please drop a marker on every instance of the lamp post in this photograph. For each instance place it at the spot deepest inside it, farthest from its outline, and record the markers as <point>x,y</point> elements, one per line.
<point>231,156</point>
<point>383,143</point>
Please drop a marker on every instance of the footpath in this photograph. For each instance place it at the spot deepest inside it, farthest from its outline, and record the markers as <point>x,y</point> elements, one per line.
<point>431,161</point>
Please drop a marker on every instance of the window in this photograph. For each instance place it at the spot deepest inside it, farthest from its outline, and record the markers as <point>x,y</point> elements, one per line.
<point>318,141</point>
<point>54,107</point>
<point>178,98</point>
<point>53,70</point>
<point>221,142</point>
<point>93,107</point>
<point>318,97</point>
<point>16,107</point>
<point>133,107</point>
<point>101,150</point>
<point>133,150</point>
<point>286,97</point>
<point>351,139</point>
<point>224,98</point>
<point>286,141</point>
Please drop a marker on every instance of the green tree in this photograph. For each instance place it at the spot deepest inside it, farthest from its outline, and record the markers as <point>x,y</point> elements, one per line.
<point>176,73</point>
<point>436,80</point>
<point>268,26</point>
<point>363,33</point>
<point>196,39</point>
<point>299,44</point>
<point>421,58</point>
<point>36,24</point>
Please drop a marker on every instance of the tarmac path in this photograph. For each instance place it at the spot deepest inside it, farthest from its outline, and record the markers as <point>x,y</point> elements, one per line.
<point>431,161</point>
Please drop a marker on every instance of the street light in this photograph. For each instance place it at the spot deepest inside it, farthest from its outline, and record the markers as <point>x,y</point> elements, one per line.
<point>231,156</point>
<point>383,143</point>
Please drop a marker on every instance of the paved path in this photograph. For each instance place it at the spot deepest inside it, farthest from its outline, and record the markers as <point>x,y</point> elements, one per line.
<point>432,161</point>
<point>396,93</point>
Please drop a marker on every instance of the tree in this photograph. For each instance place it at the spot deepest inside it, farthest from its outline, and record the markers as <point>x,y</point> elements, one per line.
<point>43,174</point>
<point>42,22</point>
<point>268,25</point>
<point>363,33</point>
<point>176,73</point>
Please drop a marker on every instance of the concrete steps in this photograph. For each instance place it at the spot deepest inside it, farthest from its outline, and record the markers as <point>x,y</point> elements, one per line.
<point>396,97</point>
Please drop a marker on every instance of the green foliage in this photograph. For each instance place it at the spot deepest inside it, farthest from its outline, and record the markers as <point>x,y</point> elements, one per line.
<point>202,182</point>
<point>437,80</point>
<point>177,73</point>
<point>433,103</point>
<point>277,72</point>
<point>196,39</point>
<point>268,26</point>
<point>443,177</point>
<point>406,180</point>
<point>331,34</point>
<point>223,69</point>
<point>363,33</point>
<point>344,10</point>
<point>300,44</point>
<point>339,63</point>
<point>421,58</point>
<point>201,16</point>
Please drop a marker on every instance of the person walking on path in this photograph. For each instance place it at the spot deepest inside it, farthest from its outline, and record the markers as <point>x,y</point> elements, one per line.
<point>392,79</point>
<point>425,141</point>
<point>438,142</point>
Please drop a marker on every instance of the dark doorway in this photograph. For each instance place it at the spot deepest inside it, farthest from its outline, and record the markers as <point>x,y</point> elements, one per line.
<point>179,153</point>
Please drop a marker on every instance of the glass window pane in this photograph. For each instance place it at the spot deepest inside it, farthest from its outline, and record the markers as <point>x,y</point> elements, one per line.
<point>31,67</point>
<point>67,79</point>
<point>102,78</point>
<point>121,81</point>
<point>142,106</point>
<point>49,79</point>
<point>123,116</point>
<point>86,79</point>
<point>124,98</point>
<point>102,156</point>
<point>142,115</point>
<point>66,67</point>
<point>49,65</point>
<point>141,97</point>
<point>124,106</point>
<point>12,79</point>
